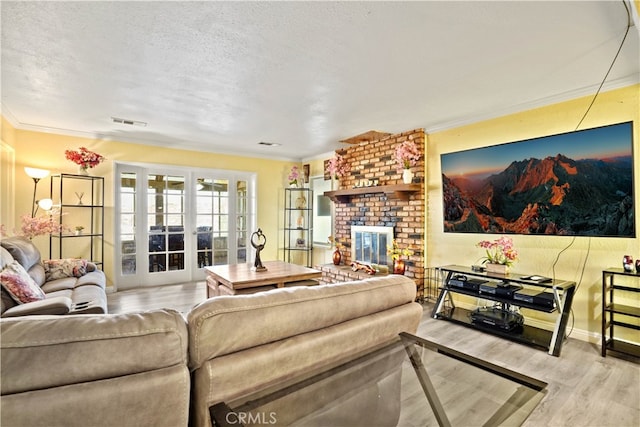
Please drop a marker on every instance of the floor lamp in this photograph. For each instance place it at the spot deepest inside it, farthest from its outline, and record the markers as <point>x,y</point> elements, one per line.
<point>37,174</point>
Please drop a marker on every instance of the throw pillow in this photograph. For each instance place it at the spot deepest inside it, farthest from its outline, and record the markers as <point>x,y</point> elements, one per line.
<point>17,282</point>
<point>61,268</point>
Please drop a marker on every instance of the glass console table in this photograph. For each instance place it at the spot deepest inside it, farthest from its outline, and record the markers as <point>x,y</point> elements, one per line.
<point>410,382</point>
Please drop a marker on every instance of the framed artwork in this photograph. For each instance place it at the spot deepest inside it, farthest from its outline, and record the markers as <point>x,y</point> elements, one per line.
<point>577,183</point>
<point>306,169</point>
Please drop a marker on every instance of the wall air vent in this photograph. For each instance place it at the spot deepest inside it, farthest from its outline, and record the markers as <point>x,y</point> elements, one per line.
<point>269,144</point>
<point>128,122</point>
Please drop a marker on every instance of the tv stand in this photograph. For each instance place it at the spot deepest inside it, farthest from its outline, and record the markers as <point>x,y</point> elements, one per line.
<point>557,298</point>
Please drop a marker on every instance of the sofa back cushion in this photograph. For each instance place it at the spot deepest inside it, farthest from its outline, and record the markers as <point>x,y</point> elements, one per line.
<point>226,324</point>
<point>27,254</point>
<point>65,350</point>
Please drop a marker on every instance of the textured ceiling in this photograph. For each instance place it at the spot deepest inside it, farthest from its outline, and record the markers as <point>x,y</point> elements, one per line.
<point>223,76</point>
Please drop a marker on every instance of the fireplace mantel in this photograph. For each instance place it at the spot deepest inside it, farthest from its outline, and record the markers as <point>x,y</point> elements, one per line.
<point>395,191</point>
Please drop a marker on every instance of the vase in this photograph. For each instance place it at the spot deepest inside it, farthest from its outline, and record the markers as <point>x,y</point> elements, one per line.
<point>83,170</point>
<point>497,268</point>
<point>337,257</point>
<point>407,176</point>
<point>398,266</point>
<point>627,263</point>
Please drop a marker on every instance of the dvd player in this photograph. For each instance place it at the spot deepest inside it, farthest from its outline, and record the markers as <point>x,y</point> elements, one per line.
<point>499,289</point>
<point>497,318</point>
<point>462,282</point>
<point>535,297</point>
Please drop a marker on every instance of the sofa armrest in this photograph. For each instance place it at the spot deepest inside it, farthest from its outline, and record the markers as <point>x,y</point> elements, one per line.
<point>54,305</point>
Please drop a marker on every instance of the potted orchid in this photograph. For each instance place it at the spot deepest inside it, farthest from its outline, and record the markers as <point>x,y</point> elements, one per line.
<point>293,176</point>
<point>84,158</point>
<point>337,167</point>
<point>406,155</point>
<point>500,254</point>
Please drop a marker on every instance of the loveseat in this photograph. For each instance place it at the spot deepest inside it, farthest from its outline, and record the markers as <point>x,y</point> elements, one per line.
<point>67,286</point>
<point>133,369</point>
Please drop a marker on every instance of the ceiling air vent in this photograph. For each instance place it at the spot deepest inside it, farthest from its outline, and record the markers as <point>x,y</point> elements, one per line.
<point>128,122</point>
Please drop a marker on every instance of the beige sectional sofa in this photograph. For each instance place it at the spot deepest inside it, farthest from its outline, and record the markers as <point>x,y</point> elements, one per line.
<point>133,369</point>
<point>84,294</point>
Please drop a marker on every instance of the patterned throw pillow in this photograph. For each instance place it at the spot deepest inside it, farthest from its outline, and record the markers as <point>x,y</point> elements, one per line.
<point>61,268</point>
<point>17,282</point>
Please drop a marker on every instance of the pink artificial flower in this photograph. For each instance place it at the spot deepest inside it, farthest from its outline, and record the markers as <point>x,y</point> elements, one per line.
<point>337,166</point>
<point>40,225</point>
<point>407,154</point>
<point>294,175</point>
<point>84,157</point>
<point>499,251</point>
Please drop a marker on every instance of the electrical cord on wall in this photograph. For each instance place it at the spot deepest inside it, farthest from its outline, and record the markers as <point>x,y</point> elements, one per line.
<point>593,100</point>
<point>615,58</point>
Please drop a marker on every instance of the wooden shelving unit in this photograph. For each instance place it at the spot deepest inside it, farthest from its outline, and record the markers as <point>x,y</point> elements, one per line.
<point>395,191</point>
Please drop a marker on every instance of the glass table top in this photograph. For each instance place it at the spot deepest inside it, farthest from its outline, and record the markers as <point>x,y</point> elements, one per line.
<point>410,382</point>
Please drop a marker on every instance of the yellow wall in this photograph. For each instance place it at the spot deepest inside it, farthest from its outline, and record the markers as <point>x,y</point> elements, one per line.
<point>46,151</point>
<point>537,253</point>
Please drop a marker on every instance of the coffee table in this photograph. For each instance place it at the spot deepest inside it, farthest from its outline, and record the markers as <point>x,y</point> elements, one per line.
<point>410,382</point>
<point>240,278</point>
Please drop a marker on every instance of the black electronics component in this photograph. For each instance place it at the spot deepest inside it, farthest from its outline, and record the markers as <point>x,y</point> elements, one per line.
<point>535,297</point>
<point>463,282</point>
<point>478,268</point>
<point>497,318</point>
<point>499,289</point>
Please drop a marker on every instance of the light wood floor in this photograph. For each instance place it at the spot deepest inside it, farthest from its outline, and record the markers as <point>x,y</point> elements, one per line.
<point>585,389</point>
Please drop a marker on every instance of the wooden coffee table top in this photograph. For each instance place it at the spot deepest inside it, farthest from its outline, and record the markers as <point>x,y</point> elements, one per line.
<point>239,276</point>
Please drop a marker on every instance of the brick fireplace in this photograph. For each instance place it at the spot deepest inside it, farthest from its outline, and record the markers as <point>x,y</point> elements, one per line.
<point>374,160</point>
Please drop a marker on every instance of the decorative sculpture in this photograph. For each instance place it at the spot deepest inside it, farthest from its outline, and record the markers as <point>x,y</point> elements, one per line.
<point>356,266</point>
<point>258,245</point>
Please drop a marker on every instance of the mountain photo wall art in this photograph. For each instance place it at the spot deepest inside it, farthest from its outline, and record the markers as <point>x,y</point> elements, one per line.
<point>577,183</point>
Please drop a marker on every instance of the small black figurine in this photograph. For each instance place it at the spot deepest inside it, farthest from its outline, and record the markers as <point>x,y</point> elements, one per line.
<point>258,245</point>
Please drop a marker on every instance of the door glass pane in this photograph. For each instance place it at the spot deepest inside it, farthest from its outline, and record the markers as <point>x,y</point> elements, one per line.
<point>212,218</point>
<point>165,219</point>
<point>127,222</point>
<point>241,220</point>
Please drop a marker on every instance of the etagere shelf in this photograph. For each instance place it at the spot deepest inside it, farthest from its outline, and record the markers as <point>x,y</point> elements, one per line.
<point>80,199</point>
<point>624,287</point>
<point>298,226</point>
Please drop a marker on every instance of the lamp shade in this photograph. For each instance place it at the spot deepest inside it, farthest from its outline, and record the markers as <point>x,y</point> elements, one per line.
<point>45,204</point>
<point>36,173</point>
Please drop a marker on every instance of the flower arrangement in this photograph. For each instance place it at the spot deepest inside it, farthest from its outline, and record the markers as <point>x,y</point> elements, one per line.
<point>407,154</point>
<point>499,251</point>
<point>84,158</point>
<point>40,225</point>
<point>395,251</point>
<point>337,166</point>
<point>294,174</point>
<point>333,241</point>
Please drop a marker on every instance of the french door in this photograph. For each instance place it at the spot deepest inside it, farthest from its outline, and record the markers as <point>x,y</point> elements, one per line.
<point>172,222</point>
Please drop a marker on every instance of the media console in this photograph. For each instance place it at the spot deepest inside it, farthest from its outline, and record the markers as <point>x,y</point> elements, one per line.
<point>509,293</point>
